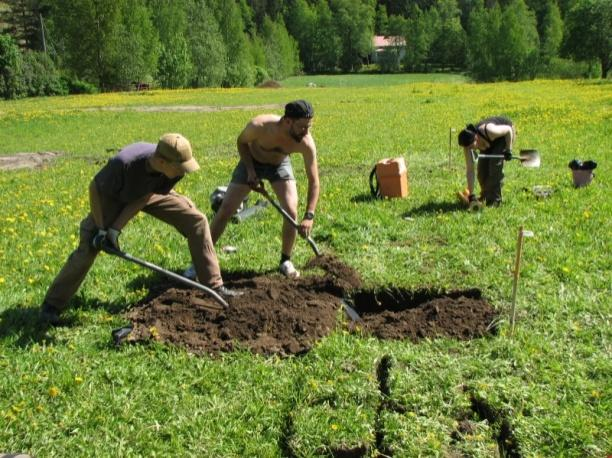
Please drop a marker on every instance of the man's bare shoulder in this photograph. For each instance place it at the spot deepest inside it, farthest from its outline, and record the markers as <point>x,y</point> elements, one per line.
<point>264,120</point>
<point>307,144</point>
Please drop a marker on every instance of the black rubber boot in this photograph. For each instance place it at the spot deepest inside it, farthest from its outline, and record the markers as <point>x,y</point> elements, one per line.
<point>49,315</point>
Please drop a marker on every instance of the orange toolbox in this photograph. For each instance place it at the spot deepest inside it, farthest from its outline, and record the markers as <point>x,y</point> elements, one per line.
<point>392,177</point>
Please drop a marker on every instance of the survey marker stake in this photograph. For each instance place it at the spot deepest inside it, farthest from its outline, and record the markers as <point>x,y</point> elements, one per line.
<point>450,143</point>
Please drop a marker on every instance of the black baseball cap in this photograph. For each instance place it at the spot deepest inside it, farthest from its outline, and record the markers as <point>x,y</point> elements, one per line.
<point>299,109</point>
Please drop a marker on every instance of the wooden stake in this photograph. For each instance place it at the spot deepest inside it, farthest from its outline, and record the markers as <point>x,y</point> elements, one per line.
<point>450,142</point>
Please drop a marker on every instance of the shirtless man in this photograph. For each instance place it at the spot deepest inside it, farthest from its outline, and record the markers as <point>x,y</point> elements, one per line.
<point>264,147</point>
<point>492,136</point>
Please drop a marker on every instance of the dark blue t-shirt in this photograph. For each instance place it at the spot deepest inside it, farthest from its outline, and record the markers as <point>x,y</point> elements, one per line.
<point>127,177</point>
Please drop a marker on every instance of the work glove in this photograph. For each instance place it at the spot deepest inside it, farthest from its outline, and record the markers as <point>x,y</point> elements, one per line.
<point>106,238</point>
<point>98,239</point>
<point>508,155</point>
<point>112,235</point>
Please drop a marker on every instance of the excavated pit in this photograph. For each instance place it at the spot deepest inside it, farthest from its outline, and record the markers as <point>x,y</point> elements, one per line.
<point>396,313</point>
<point>287,317</point>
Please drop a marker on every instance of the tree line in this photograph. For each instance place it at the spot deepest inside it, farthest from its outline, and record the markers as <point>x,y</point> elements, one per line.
<point>60,46</point>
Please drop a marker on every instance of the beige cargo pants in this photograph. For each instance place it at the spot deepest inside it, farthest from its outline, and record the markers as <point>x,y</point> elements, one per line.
<point>174,209</point>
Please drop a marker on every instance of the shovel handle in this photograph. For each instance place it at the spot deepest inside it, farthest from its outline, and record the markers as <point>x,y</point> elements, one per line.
<point>498,156</point>
<point>177,277</point>
<point>288,217</point>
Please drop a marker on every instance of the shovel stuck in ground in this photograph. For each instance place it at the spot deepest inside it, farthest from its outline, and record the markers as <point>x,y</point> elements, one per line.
<point>288,217</point>
<point>351,312</point>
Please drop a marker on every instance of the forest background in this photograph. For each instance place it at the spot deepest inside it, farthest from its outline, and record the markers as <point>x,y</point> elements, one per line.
<point>50,47</point>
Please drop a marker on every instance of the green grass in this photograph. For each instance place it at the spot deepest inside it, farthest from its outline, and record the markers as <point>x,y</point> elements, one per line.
<point>369,80</point>
<point>69,393</point>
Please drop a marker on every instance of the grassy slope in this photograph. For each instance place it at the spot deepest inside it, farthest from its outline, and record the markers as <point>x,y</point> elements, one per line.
<point>70,393</point>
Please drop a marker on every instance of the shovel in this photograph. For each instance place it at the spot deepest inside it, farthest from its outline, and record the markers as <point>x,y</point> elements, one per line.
<point>128,257</point>
<point>288,217</point>
<point>351,312</point>
<point>529,158</point>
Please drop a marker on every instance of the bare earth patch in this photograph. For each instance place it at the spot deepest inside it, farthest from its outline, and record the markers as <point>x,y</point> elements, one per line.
<point>285,317</point>
<point>27,160</point>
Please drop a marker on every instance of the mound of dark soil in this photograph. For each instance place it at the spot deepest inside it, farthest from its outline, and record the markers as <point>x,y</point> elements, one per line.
<point>274,315</point>
<point>270,84</point>
<point>280,316</point>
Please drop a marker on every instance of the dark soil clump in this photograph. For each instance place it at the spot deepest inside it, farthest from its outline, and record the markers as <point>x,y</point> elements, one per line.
<point>345,276</point>
<point>280,316</point>
<point>269,84</point>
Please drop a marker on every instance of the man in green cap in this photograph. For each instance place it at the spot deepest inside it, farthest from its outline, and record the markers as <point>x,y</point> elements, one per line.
<point>140,177</point>
<point>264,146</point>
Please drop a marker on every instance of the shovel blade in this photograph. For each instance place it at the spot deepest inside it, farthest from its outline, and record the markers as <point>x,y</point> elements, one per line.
<point>530,158</point>
<point>351,312</point>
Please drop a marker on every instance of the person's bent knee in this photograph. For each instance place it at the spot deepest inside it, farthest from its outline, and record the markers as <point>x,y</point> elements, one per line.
<point>195,223</point>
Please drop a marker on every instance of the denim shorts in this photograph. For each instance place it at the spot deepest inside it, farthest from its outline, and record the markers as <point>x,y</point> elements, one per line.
<point>270,172</point>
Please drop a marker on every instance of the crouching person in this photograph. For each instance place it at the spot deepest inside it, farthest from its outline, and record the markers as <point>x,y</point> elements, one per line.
<point>493,138</point>
<point>141,177</point>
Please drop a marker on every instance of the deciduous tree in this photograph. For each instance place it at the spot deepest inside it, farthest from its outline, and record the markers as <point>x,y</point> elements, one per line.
<point>551,34</point>
<point>282,57</point>
<point>448,47</point>
<point>589,32</point>
<point>421,30</point>
<point>174,69</point>
<point>518,43</point>
<point>207,47</point>
<point>10,68</point>
<point>239,69</point>
<point>354,21</point>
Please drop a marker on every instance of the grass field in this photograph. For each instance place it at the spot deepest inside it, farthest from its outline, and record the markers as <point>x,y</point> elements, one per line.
<point>68,392</point>
<point>365,80</point>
